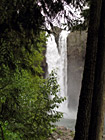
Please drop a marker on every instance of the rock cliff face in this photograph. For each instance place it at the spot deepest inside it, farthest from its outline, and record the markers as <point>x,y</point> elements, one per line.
<point>56,32</point>
<point>76,44</point>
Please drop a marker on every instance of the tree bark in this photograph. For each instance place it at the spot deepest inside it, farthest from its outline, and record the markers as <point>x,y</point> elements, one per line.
<point>97,112</point>
<point>85,102</point>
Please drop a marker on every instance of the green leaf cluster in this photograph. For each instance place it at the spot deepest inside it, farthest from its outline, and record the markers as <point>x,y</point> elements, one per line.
<point>27,101</point>
<point>27,111</point>
<point>28,106</point>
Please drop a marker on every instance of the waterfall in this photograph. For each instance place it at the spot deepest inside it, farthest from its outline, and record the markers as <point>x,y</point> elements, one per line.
<point>68,59</point>
<point>56,58</point>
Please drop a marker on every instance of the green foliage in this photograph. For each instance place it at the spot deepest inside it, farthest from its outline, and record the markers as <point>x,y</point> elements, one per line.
<point>9,135</point>
<point>22,52</point>
<point>72,134</point>
<point>27,15</point>
<point>29,107</point>
<point>20,15</point>
<point>26,109</point>
<point>27,101</point>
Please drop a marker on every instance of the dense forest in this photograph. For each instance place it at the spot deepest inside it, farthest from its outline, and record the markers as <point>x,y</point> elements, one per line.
<point>26,109</point>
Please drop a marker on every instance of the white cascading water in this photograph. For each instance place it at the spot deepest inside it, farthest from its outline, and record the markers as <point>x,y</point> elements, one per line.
<point>56,58</point>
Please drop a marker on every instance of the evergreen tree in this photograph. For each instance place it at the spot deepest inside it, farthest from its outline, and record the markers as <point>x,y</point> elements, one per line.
<point>26,111</point>
<point>90,118</point>
<point>97,111</point>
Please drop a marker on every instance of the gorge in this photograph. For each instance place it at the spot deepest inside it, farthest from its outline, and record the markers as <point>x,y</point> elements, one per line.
<point>66,53</point>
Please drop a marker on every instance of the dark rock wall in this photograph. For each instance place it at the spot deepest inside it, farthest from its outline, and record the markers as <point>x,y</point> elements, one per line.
<point>56,32</point>
<point>76,44</point>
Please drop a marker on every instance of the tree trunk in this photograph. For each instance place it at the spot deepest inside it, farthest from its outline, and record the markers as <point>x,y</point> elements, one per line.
<point>85,102</point>
<point>97,112</point>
